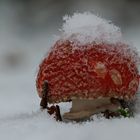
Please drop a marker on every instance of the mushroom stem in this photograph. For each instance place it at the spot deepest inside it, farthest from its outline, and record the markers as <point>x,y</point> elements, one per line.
<point>84,108</point>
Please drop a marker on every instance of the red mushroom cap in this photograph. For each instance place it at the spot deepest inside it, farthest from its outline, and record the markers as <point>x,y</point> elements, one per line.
<point>89,72</point>
<point>89,61</point>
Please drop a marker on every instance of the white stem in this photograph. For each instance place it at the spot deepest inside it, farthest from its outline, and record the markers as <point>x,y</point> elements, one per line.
<point>84,108</point>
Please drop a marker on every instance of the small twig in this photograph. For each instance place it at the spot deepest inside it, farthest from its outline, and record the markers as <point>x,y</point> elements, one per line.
<point>58,115</point>
<point>51,110</point>
<point>44,102</point>
<point>56,111</point>
<point>108,114</point>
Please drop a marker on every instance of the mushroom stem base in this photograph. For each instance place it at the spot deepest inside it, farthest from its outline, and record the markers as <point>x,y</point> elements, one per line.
<point>85,108</point>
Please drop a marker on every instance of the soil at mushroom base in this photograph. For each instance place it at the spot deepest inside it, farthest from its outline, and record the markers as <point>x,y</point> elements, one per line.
<point>89,72</point>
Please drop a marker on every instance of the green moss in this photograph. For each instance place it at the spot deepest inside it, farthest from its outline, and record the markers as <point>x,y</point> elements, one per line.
<point>125,112</point>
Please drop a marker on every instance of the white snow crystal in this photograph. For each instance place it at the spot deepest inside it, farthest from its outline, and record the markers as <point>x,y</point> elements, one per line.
<point>85,28</point>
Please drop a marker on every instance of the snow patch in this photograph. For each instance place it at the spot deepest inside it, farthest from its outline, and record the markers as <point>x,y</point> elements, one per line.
<point>85,28</point>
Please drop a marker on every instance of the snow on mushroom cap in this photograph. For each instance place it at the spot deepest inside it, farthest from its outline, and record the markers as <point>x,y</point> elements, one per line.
<point>85,28</point>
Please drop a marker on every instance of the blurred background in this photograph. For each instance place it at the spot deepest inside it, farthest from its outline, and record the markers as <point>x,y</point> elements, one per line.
<point>27,28</point>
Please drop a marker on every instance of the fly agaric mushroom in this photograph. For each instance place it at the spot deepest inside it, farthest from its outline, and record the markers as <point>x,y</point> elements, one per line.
<point>89,65</point>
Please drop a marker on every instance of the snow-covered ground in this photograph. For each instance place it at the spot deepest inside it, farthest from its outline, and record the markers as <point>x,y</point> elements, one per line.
<point>20,114</point>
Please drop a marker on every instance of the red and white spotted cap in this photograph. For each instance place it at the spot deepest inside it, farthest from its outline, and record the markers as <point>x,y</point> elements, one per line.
<point>89,61</point>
